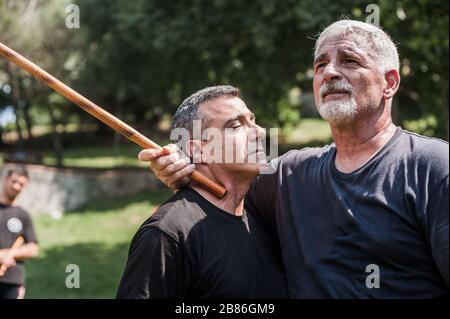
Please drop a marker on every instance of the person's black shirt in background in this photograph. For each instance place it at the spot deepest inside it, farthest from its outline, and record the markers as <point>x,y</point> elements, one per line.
<point>15,222</point>
<point>191,249</point>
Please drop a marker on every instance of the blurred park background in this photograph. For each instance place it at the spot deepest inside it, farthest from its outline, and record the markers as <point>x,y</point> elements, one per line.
<point>138,59</point>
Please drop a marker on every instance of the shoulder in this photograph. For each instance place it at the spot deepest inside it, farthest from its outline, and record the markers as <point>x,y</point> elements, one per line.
<point>19,212</point>
<point>306,156</point>
<point>428,153</point>
<point>175,217</point>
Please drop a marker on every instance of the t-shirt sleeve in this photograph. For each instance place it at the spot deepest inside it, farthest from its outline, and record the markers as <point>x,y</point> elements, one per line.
<point>153,269</point>
<point>28,232</point>
<point>437,227</point>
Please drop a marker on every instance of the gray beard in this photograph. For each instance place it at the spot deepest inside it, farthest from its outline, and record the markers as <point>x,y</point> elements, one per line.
<point>339,113</point>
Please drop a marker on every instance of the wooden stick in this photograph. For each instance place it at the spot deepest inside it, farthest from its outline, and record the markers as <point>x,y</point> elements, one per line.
<point>19,242</point>
<point>99,113</point>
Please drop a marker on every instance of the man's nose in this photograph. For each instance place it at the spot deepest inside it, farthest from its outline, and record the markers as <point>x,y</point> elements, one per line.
<point>261,132</point>
<point>256,132</point>
<point>331,73</point>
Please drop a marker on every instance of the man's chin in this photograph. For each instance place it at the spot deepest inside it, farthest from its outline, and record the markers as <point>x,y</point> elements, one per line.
<point>337,114</point>
<point>336,121</point>
<point>253,169</point>
<point>12,196</point>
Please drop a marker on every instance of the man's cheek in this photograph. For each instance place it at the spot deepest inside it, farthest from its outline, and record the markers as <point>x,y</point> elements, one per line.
<point>241,148</point>
<point>228,148</point>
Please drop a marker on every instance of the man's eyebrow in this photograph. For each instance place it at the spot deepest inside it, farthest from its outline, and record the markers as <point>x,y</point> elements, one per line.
<point>234,118</point>
<point>346,49</point>
<point>320,57</point>
<point>351,50</point>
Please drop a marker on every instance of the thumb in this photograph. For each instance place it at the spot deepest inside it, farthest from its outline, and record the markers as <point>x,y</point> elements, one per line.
<point>149,154</point>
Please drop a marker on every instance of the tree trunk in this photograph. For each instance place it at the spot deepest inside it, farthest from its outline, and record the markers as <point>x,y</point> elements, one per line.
<point>28,123</point>
<point>2,142</point>
<point>26,114</point>
<point>57,140</point>
<point>18,127</point>
<point>15,97</point>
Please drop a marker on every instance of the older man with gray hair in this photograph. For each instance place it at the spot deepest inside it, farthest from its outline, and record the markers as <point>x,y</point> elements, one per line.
<point>366,216</point>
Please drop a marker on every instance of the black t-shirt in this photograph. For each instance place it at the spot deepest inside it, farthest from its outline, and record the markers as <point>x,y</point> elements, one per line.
<point>192,249</point>
<point>15,222</point>
<point>336,228</point>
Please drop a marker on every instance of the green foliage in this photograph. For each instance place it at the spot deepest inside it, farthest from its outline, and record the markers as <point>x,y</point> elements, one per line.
<point>426,125</point>
<point>157,52</point>
<point>420,28</point>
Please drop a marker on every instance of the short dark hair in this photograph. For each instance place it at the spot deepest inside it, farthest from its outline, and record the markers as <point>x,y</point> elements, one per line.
<point>19,170</point>
<point>188,110</point>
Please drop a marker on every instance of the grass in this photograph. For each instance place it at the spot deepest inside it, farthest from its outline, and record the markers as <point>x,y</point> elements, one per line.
<point>98,156</point>
<point>95,156</point>
<point>96,239</point>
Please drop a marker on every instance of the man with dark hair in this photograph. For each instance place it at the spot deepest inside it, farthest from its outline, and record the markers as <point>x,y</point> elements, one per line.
<point>14,222</point>
<point>196,245</point>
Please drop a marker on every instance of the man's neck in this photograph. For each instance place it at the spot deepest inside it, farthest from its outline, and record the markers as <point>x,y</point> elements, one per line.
<point>5,200</point>
<point>237,188</point>
<point>357,143</point>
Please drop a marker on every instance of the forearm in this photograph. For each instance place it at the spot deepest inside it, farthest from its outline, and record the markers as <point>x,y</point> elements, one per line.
<point>26,251</point>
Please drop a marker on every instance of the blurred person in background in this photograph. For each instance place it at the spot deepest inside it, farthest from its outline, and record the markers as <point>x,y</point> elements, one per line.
<point>15,222</point>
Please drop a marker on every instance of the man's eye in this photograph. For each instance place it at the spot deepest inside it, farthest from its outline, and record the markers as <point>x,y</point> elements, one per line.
<point>351,61</point>
<point>320,65</point>
<point>237,126</point>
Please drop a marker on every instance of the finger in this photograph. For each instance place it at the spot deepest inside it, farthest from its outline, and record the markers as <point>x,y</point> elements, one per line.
<point>149,155</point>
<point>163,161</point>
<point>176,179</point>
<point>175,167</point>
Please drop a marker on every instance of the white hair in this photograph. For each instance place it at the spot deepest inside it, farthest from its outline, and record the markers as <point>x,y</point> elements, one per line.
<point>378,40</point>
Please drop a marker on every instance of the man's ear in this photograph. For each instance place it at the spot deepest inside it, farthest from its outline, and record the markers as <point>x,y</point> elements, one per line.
<point>392,78</point>
<point>194,150</point>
